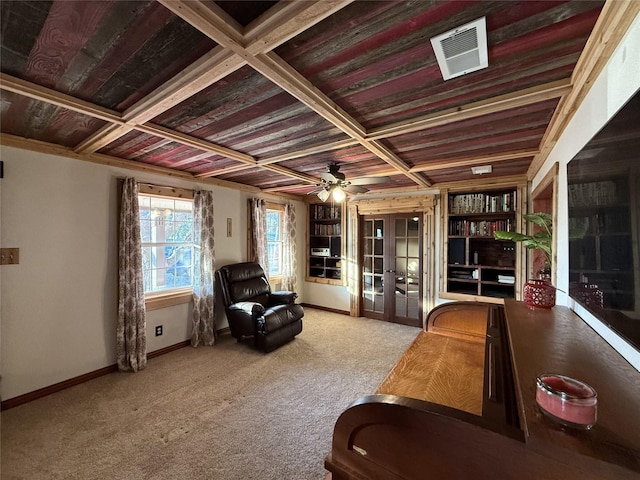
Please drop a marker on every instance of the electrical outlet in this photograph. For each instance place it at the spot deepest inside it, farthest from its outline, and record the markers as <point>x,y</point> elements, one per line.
<point>158,330</point>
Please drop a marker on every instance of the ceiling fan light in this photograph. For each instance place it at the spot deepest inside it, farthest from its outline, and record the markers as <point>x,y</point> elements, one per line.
<point>323,195</point>
<point>338,194</point>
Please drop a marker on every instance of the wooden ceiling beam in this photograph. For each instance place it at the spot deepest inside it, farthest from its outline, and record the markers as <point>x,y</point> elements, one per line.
<point>206,18</point>
<point>206,71</point>
<point>285,20</point>
<point>47,95</point>
<point>194,142</point>
<point>305,152</point>
<point>291,173</point>
<point>210,68</point>
<point>102,137</point>
<point>500,103</point>
<point>613,22</point>
<point>472,160</point>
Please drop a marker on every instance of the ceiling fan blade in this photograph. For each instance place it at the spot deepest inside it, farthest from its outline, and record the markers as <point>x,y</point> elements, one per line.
<point>354,189</point>
<point>328,177</point>
<point>369,180</point>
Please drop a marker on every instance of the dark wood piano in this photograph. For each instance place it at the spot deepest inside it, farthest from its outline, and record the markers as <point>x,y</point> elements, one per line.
<point>460,403</point>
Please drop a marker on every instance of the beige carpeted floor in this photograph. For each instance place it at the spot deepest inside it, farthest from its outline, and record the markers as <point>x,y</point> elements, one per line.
<point>226,412</point>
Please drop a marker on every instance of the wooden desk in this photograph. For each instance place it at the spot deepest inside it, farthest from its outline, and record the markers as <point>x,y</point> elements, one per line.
<point>396,437</point>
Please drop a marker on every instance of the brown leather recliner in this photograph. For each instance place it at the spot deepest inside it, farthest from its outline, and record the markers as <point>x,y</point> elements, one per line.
<point>270,319</point>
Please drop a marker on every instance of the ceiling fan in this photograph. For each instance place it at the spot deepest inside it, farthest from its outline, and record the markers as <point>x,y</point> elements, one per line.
<point>334,183</point>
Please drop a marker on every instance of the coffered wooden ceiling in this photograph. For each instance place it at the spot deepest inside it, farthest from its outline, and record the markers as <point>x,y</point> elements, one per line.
<point>266,94</point>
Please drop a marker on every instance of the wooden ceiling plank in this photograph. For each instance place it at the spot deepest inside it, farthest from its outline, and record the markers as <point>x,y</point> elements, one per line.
<point>43,94</point>
<point>612,24</point>
<point>198,143</point>
<point>285,20</point>
<point>520,98</point>
<point>473,160</point>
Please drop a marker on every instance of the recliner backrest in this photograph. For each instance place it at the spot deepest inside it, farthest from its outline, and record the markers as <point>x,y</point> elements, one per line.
<point>245,282</point>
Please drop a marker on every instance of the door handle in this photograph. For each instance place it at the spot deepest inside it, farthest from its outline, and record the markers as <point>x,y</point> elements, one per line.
<point>390,271</point>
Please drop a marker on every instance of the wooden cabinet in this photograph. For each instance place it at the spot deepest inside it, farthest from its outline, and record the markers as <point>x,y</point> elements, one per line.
<point>325,238</point>
<point>601,259</point>
<point>476,263</point>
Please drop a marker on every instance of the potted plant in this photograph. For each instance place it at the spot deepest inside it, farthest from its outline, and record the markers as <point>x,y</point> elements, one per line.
<point>537,292</point>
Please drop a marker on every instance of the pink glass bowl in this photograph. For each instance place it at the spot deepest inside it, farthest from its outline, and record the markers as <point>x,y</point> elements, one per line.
<point>567,401</point>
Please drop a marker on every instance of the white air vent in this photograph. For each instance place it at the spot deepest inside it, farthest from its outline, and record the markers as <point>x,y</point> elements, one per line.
<point>462,50</point>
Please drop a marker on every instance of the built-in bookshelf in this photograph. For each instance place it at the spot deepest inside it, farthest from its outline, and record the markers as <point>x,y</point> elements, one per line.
<point>324,260</point>
<point>601,241</point>
<point>477,264</point>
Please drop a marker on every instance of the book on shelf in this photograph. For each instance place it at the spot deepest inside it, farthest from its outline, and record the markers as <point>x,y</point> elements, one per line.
<point>482,203</point>
<point>510,279</point>
<point>482,228</point>
<point>592,193</point>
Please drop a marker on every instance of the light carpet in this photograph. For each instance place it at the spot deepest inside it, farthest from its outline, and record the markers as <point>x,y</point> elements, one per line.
<point>222,412</point>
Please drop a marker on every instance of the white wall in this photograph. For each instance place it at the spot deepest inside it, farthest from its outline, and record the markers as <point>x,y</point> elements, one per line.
<point>618,82</point>
<point>58,307</point>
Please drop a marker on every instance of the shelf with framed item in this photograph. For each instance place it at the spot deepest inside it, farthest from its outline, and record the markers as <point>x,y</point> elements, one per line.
<point>325,243</point>
<point>476,264</point>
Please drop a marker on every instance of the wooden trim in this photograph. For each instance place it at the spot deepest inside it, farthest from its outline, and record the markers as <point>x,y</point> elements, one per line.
<point>206,71</point>
<point>72,382</point>
<point>57,387</point>
<point>326,309</point>
<point>194,142</point>
<point>285,20</point>
<point>613,22</point>
<point>169,349</point>
<point>164,191</point>
<point>52,149</point>
<point>471,298</point>
<point>484,183</point>
<point>159,301</point>
<point>379,206</point>
<point>309,151</point>
<point>500,103</point>
<point>475,160</point>
<point>44,94</point>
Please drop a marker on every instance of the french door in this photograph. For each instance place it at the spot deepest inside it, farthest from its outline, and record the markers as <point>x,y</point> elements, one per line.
<point>391,266</point>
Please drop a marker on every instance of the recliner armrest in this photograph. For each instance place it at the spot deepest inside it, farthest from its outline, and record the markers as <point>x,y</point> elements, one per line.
<point>254,309</point>
<point>282,297</point>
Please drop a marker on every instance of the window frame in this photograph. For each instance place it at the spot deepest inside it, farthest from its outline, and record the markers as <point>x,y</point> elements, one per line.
<point>178,296</point>
<point>278,208</point>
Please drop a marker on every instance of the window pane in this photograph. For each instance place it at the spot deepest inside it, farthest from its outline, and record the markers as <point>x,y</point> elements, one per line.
<point>166,226</point>
<point>275,220</point>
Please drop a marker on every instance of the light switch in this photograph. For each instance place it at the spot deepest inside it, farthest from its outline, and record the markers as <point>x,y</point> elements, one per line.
<point>9,256</point>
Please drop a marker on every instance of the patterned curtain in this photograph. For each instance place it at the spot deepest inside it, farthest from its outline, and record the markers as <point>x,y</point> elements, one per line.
<point>203,320</point>
<point>258,227</point>
<point>289,261</point>
<point>131,340</point>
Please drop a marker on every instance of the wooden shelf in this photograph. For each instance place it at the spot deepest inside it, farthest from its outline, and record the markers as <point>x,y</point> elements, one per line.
<point>475,258</point>
<point>325,243</point>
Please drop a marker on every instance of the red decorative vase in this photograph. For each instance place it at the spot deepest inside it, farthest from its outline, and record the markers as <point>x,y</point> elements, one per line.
<point>539,293</point>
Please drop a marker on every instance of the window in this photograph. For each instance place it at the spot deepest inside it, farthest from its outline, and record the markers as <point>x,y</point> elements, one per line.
<point>166,226</point>
<point>275,221</point>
